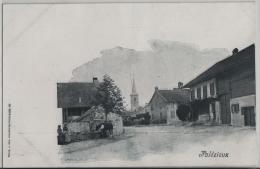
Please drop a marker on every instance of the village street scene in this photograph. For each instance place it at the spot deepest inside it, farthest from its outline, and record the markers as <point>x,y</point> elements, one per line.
<point>130,84</point>
<point>218,104</point>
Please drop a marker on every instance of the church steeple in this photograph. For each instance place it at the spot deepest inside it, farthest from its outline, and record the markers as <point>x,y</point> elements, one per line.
<point>134,97</point>
<point>133,87</point>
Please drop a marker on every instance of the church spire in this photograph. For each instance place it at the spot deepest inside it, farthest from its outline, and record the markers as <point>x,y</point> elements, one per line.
<point>134,97</point>
<point>133,87</point>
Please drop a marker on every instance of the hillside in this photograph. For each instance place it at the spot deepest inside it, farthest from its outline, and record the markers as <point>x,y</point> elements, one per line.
<point>167,63</point>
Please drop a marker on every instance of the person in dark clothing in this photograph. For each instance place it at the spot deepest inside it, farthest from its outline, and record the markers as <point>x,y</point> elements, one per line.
<point>61,138</point>
<point>59,130</point>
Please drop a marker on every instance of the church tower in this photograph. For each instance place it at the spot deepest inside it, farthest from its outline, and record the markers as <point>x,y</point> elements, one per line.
<point>134,97</point>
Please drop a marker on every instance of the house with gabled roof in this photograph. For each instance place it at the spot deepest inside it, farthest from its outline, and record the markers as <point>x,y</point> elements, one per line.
<point>76,98</point>
<point>225,92</point>
<point>164,104</point>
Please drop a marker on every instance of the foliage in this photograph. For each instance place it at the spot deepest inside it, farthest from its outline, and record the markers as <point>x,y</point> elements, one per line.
<point>183,112</point>
<point>110,97</point>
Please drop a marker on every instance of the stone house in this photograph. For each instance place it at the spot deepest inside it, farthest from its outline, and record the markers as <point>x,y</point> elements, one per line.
<point>164,104</point>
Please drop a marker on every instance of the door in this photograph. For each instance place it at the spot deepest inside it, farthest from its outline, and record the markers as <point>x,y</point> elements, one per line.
<point>225,109</point>
<point>249,115</point>
<point>213,111</point>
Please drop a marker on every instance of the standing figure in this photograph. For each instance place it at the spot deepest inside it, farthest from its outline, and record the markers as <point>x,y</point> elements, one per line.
<point>61,138</point>
<point>66,133</point>
<point>59,130</point>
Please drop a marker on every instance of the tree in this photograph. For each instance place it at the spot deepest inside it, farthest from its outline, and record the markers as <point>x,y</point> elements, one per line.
<point>110,97</point>
<point>183,112</point>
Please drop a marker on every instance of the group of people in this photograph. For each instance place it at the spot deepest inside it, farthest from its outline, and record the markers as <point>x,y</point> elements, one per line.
<point>60,131</point>
<point>63,137</point>
<point>104,129</point>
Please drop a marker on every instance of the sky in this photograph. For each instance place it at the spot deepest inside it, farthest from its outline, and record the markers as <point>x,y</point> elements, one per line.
<point>43,43</point>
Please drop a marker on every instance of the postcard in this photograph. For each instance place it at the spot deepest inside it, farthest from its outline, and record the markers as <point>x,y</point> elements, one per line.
<point>130,84</point>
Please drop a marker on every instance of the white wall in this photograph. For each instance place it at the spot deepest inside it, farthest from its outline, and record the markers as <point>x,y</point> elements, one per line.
<point>200,85</point>
<point>237,119</point>
<point>172,107</point>
<point>117,123</point>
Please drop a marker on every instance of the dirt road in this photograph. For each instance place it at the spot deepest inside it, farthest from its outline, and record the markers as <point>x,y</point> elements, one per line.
<point>163,146</point>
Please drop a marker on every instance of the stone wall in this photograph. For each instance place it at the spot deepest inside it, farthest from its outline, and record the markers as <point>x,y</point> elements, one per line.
<point>78,127</point>
<point>117,122</point>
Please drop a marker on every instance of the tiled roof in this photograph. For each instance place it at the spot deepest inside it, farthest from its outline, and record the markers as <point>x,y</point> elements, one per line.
<point>175,95</point>
<point>75,94</point>
<point>243,57</point>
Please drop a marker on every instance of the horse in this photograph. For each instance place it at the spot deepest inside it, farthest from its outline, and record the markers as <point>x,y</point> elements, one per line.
<point>107,130</point>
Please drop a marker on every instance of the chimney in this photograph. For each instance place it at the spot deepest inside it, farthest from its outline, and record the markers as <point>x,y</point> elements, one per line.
<point>95,81</point>
<point>234,51</point>
<point>180,85</point>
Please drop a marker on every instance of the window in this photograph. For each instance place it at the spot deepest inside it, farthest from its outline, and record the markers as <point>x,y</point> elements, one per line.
<point>235,108</point>
<point>192,94</point>
<point>199,93</point>
<point>212,89</point>
<point>205,92</point>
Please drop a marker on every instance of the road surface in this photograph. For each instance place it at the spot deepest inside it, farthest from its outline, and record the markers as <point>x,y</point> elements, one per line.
<point>165,145</point>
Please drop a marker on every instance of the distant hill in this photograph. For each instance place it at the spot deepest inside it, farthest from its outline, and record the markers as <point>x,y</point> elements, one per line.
<point>167,63</point>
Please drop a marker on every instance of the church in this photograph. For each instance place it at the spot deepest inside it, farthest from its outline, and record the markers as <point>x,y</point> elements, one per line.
<point>134,98</point>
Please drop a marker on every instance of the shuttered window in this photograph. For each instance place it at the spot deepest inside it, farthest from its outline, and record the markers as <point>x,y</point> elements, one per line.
<point>235,108</point>
<point>205,92</point>
<point>199,93</point>
<point>192,94</point>
<point>212,89</point>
